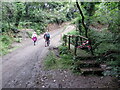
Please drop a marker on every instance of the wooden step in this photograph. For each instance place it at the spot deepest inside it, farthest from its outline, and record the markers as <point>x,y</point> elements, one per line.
<point>87,63</point>
<point>86,57</point>
<point>93,71</point>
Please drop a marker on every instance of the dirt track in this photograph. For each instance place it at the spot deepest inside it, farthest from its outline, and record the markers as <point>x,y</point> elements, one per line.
<point>23,68</point>
<point>19,67</point>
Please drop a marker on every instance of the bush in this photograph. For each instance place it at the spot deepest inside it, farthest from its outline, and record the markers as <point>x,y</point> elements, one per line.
<point>64,62</point>
<point>114,63</point>
<point>50,61</point>
<point>103,41</point>
<point>6,39</point>
<point>5,44</point>
<point>63,50</point>
<point>74,32</point>
<point>4,27</point>
<point>115,71</point>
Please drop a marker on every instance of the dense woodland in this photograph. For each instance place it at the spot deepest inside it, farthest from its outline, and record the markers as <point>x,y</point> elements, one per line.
<point>98,21</point>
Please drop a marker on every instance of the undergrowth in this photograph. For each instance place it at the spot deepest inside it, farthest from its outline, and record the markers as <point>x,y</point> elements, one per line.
<point>5,44</point>
<point>74,32</point>
<point>106,41</point>
<point>64,62</point>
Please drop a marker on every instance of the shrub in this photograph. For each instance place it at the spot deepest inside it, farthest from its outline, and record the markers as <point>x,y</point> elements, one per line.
<point>5,44</point>
<point>6,39</point>
<point>63,50</point>
<point>50,61</point>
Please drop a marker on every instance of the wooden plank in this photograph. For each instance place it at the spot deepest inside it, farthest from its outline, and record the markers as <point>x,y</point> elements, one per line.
<point>91,69</point>
<point>89,61</point>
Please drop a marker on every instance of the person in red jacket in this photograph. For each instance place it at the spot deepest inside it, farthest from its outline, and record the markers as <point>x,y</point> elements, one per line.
<point>34,38</point>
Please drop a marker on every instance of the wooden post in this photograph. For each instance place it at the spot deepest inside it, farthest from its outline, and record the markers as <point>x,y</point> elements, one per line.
<point>69,43</point>
<point>76,44</point>
<point>81,40</point>
<point>65,39</point>
<point>91,47</point>
<point>73,40</point>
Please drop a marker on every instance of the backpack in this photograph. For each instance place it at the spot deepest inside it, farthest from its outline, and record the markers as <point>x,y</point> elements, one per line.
<point>48,35</point>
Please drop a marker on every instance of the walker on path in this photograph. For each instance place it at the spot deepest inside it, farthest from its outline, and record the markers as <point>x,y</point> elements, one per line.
<point>34,38</point>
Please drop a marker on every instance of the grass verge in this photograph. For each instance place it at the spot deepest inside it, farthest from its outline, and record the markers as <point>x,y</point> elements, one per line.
<point>53,62</point>
<point>5,44</point>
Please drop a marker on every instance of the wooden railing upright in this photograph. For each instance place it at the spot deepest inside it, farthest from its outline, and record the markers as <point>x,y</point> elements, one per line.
<point>67,41</point>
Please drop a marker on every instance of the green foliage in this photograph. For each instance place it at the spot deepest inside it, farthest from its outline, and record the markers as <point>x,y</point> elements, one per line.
<point>98,15</point>
<point>52,62</point>
<point>18,40</point>
<point>114,72</point>
<point>114,63</point>
<point>74,20</point>
<point>66,57</point>
<point>32,15</point>
<point>74,32</point>
<point>5,44</point>
<point>5,39</point>
<point>104,47</point>
<point>63,49</point>
<point>3,49</point>
<point>108,13</point>
<point>39,14</point>
<point>103,41</point>
<point>4,27</point>
<point>66,61</point>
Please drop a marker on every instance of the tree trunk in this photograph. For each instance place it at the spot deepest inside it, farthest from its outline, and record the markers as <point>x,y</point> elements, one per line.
<point>86,28</point>
<point>80,11</point>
